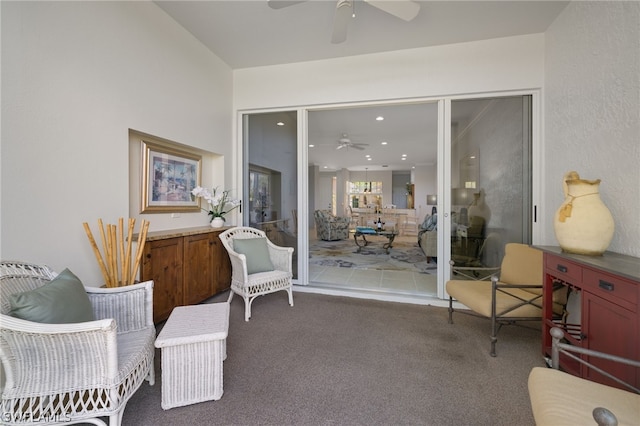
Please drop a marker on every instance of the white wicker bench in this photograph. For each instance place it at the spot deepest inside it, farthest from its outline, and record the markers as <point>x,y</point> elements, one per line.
<point>193,344</point>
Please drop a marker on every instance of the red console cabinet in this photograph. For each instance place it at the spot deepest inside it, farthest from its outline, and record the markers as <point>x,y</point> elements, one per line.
<point>602,313</point>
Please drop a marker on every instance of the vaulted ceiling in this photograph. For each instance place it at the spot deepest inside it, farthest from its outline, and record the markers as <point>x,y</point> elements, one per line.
<point>251,33</point>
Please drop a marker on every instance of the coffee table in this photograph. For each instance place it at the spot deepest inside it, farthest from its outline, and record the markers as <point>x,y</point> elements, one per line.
<point>389,234</point>
<point>193,343</point>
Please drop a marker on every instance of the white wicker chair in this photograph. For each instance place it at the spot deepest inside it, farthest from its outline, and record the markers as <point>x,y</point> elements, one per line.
<point>250,286</point>
<point>74,373</point>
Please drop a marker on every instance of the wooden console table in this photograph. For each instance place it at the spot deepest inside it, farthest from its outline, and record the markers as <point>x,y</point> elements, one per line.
<point>607,289</point>
<point>186,265</point>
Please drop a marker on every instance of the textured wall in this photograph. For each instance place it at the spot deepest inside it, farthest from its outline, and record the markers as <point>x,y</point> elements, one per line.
<point>592,111</point>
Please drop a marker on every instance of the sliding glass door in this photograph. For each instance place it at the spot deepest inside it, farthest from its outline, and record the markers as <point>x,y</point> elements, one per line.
<point>490,174</point>
<point>464,169</point>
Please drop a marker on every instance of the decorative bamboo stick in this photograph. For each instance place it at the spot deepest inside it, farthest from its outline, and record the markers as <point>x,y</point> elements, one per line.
<point>96,252</point>
<point>142,237</point>
<point>127,258</point>
<point>106,252</point>
<point>113,254</point>
<point>121,249</point>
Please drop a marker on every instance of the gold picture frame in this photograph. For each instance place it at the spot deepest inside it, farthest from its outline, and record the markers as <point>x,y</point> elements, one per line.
<point>169,175</point>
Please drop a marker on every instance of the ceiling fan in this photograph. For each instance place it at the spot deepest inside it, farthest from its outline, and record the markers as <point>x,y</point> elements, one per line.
<point>345,142</point>
<point>403,9</point>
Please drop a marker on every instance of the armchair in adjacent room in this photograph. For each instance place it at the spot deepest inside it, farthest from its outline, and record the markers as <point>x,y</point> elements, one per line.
<point>428,236</point>
<point>330,227</point>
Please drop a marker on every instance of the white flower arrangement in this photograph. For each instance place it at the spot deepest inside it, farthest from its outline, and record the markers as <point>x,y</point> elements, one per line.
<point>218,201</point>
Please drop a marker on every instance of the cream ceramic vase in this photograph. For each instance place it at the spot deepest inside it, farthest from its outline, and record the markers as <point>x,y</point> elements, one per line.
<point>217,222</point>
<point>583,224</point>
<point>479,207</point>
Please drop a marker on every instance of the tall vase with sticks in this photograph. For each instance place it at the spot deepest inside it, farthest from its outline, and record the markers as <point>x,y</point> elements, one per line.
<point>116,266</point>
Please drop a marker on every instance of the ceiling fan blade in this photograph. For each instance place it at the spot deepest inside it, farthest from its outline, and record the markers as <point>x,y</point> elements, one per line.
<point>357,147</point>
<point>341,146</point>
<point>279,4</point>
<point>344,10</point>
<point>403,9</point>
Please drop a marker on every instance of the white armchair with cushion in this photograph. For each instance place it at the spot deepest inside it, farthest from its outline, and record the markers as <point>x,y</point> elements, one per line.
<point>259,267</point>
<point>71,353</point>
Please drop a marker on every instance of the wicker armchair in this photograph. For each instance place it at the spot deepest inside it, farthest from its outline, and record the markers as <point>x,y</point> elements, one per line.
<point>273,274</point>
<point>71,373</point>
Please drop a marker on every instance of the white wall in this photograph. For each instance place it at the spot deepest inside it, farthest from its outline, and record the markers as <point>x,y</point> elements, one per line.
<point>428,178</point>
<point>499,64</point>
<point>76,76</point>
<point>592,111</point>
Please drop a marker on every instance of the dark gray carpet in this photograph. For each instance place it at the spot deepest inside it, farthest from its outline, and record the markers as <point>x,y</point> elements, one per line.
<point>342,361</point>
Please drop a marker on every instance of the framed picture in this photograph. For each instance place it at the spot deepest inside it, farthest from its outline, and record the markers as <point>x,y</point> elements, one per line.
<point>168,176</point>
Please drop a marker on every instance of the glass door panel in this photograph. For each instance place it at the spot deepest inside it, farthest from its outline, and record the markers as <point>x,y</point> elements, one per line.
<point>372,166</point>
<point>270,177</point>
<point>490,178</point>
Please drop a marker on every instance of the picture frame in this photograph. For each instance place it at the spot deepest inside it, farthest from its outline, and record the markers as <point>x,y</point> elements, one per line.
<point>169,174</point>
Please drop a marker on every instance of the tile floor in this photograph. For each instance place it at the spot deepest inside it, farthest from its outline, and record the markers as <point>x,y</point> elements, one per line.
<point>373,280</point>
<point>395,282</point>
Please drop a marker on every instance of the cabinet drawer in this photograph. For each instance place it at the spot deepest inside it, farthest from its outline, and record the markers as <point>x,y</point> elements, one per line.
<point>612,288</point>
<point>563,269</point>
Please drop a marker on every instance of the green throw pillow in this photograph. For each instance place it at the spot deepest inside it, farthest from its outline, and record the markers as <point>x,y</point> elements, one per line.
<point>257,252</point>
<point>63,300</point>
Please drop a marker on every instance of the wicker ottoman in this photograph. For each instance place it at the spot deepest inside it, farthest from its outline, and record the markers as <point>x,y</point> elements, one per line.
<point>193,344</point>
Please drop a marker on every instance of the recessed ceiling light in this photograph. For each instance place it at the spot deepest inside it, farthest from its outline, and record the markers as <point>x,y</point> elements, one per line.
<point>383,143</point>
<point>325,167</point>
<point>369,159</point>
<point>379,118</point>
<point>311,145</point>
<point>404,158</point>
<point>368,155</point>
<point>280,123</point>
<point>404,155</point>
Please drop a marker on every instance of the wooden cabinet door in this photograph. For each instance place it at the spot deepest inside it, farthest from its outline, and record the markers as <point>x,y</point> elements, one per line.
<point>162,263</point>
<point>198,268</point>
<point>612,329</point>
<point>221,266</point>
